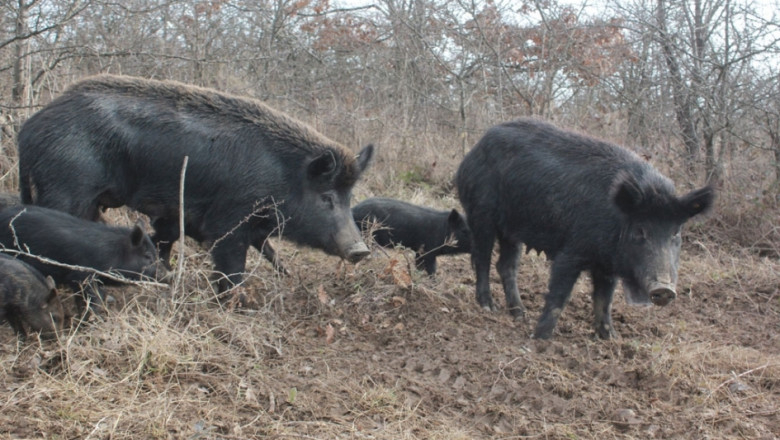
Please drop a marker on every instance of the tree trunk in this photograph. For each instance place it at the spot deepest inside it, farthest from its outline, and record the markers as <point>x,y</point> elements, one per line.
<point>774,137</point>
<point>19,89</point>
<point>683,107</point>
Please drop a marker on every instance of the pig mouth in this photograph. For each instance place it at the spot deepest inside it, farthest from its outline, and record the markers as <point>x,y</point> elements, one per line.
<point>161,274</point>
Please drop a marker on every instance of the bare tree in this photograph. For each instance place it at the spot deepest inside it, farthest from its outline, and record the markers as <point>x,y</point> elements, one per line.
<point>708,47</point>
<point>39,21</point>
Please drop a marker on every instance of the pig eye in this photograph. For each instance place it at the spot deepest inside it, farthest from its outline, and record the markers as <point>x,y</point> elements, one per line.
<point>638,234</point>
<point>328,199</point>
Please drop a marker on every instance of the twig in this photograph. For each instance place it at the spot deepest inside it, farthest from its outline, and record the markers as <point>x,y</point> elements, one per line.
<point>111,276</point>
<point>26,252</point>
<point>13,230</point>
<point>257,209</point>
<point>737,376</point>
<point>180,262</point>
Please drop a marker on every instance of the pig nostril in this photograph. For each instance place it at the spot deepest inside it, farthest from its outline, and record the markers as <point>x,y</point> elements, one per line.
<point>357,252</point>
<point>662,296</point>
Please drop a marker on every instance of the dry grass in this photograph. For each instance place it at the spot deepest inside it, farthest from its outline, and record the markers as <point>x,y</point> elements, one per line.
<point>337,351</point>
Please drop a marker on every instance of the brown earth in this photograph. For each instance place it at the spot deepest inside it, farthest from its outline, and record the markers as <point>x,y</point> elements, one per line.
<point>338,351</point>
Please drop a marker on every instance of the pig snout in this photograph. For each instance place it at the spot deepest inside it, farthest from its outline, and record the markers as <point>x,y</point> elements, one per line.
<point>356,252</point>
<point>157,271</point>
<point>161,274</point>
<point>662,294</point>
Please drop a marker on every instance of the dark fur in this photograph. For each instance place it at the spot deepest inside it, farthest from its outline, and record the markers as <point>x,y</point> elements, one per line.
<point>587,204</point>
<point>63,238</point>
<point>28,300</point>
<point>110,141</point>
<point>422,229</point>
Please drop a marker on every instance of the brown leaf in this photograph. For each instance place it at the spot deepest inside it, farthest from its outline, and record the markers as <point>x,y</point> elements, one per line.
<point>401,278</point>
<point>398,275</point>
<point>251,396</point>
<point>323,295</point>
<point>390,265</point>
<point>330,333</point>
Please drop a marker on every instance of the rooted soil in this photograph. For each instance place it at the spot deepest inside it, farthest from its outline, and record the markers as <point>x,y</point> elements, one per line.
<point>374,351</point>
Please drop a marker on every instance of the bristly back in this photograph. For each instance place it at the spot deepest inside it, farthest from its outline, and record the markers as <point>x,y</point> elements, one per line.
<point>221,107</point>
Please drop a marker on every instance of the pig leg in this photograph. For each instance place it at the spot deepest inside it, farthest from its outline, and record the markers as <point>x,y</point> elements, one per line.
<point>603,290</point>
<point>483,237</point>
<point>166,232</point>
<point>269,253</point>
<point>509,255</point>
<point>86,290</point>
<point>15,321</point>
<point>86,210</point>
<point>79,203</point>
<point>229,256</point>
<point>426,262</point>
<point>564,274</point>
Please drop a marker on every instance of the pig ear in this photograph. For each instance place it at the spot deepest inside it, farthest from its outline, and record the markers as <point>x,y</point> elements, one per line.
<point>698,201</point>
<point>455,220</point>
<point>323,166</point>
<point>626,193</point>
<point>364,157</point>
<point>137,235</point>
<point>53,294</point>
<point>51,285</point>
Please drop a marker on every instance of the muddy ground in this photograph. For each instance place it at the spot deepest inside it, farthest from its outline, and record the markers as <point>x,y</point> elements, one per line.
<point>377,351</point>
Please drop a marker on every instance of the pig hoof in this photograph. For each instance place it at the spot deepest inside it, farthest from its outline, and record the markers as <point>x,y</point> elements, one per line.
<point>489,307</point>
<point>518,313</point>
<point>607,334</point>
<point>542,335</point>
<point>543,332</point>
<point>487,304</point>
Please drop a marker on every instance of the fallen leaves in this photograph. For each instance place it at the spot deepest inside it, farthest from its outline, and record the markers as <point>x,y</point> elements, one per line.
<point>323,296</point>
<point>396,274</point>
<point>398,301</point>
<point>330,330</point>
<point>330,334</point>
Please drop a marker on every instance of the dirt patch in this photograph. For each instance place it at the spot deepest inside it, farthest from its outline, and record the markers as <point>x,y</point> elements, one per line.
<point>374,351</point>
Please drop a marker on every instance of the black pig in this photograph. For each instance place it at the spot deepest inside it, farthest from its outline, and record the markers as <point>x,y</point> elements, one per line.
<point>110,141</point>
<point>28,300</point>
<point>428,231</point>
<point>63,238</point>
<point>588,205</point>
